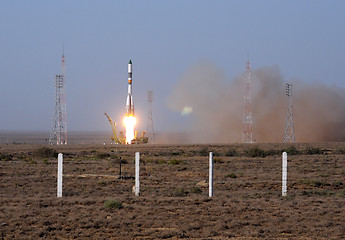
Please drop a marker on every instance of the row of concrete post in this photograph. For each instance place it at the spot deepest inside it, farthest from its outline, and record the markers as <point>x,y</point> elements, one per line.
<point>137,174</point>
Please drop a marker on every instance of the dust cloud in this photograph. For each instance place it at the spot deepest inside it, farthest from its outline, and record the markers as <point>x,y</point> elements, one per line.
<point>214,105</point>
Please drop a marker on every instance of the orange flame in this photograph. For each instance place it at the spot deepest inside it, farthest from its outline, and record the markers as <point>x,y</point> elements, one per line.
<point>129,122</point>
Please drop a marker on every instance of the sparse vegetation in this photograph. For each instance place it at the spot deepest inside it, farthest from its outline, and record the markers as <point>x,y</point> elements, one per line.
<point>317,192</point>
<point>313,151</point>
<point>31,161</point>
<point>338,184</point>
<point>341,193</point>
<point>111,204</point>
<point>324,175</point>
<point>174,190</point>
<point>256,152</point>
<point>291,150</point>
<point>175,161</point>
<point>204,151</point>
<point>196,190</point>
<point>231,153</point>
<point>217,160</point>
<point>102,183</point>
<point>102,155</point>
<point>180,192</point>
<point>313,183</point>
<point>176,153</point>
<point>341,151</point>
<point>231,175</point>
<point>45,152</point>
<point>5,157</point>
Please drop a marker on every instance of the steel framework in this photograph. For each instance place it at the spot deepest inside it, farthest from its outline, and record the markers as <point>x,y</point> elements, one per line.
<point>149,130</point>
<point>58,134</point>
<point>247,134</point>
<point>289,135</point>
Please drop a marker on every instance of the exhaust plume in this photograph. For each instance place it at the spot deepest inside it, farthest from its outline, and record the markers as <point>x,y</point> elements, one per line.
<point>215,106</point>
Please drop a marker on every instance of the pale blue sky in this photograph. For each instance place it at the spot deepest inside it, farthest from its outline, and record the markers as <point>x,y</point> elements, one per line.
<point>305,39</point>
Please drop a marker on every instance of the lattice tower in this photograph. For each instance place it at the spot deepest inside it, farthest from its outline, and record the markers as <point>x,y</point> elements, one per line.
<point>289,135</point>
<point>247,134</point>
<point>149,130</point>
<point>58,134</point>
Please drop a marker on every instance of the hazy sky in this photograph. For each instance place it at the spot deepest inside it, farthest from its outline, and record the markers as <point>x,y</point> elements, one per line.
<point>305,39</point>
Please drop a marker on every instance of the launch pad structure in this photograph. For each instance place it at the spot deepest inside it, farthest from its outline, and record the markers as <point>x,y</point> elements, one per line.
<point>247,134</point>
<point>149,130</point>
<point>58,133</point>
<point>289,135</point>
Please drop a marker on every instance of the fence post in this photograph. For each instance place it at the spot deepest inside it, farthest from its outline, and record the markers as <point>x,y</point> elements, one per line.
<point>210,180</point>
<point>137,170</point>
<point>284,174</point>
<point>59,175</point>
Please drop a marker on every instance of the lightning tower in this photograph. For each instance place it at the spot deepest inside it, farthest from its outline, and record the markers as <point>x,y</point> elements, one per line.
<point>289,135</point>
<point>149,130</point>
<point>58,134</point>
<point>247,134</point>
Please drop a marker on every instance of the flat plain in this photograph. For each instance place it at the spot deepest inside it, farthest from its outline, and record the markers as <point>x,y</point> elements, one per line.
<point>98,202</point>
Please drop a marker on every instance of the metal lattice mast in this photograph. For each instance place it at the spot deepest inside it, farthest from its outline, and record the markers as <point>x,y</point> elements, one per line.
<point>149,129</point>
<point>58,134</point>
<point>247,134</point>
<point>289,135</point>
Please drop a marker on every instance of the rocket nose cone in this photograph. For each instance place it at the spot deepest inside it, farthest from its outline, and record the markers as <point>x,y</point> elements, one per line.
<point>130,62</point>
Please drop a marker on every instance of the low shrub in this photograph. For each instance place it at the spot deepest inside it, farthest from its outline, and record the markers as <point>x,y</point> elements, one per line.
<point>196,190</point>
<point>338,184</point>
<point>177,153</point>
<point>231,153</point>
<point>161,161</point>
<point>102,155</point>
<point>45,152</point>
<point>314,183</point>
<point>204,151</point>
<point>5,157</point>
<point>312,151</point>
<point>342,151</point>
<point>175,161</point>
<point>218,160</point>
<point>272,152</point>
<point>215,153</point>
<point>110,204</point>
<point>231,175</point>
<point>256,152</point>
<point>291,150</point>
<point>317,192</point>
<point>341,194</point>
<point>180,192</point>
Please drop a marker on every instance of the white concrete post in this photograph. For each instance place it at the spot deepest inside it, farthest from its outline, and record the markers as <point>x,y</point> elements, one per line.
<point>210,177</point>
<point>137,171</point>
<point>59,175</point>
<point>284,174</point>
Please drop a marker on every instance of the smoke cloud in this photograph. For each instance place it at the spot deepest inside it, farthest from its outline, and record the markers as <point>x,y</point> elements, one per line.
<point>214,105</point>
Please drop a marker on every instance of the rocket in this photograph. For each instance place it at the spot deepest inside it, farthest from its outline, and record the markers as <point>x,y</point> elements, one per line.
<point>129,102</point>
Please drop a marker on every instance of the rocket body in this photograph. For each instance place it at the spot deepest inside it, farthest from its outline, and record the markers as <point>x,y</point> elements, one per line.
<point>129,102</point>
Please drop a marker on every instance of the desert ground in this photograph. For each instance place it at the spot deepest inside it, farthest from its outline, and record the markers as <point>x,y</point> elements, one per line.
<point>98,202</point>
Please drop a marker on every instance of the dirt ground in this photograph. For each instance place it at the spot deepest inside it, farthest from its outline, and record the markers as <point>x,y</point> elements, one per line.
<point>99,204</point>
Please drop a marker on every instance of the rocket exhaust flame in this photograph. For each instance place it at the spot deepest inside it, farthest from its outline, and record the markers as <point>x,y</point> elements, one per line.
<point>129,122</point>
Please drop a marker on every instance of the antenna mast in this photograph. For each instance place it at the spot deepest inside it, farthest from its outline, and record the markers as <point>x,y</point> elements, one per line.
<point>247,134</point>
<point>58,134</point>
<point>149,129</point>
<point>289,125</point>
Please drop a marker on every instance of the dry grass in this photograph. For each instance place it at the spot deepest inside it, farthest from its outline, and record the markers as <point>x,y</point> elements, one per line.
<point>247,202</point>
